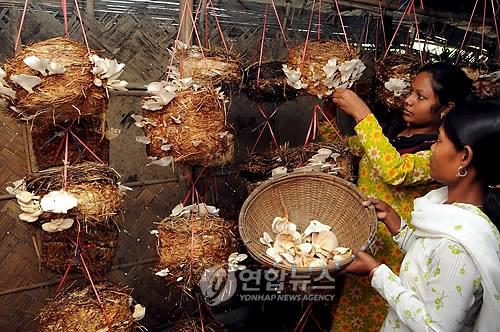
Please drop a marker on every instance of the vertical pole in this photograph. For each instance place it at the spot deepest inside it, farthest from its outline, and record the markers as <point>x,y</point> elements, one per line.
<point>90,6</point>
<point>185,7</point>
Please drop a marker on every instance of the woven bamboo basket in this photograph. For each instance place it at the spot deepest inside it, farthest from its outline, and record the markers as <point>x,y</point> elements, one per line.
<point>94,185</point>
<point>201,138</point>
<point>79,310</point>
<point>213,67</point>
<point>317,55</point>
<point>45,143</point>
<point>187,247</point>
<point>482,87</point>
<point>64,96</point>
<point>401,66</point>
<point>258,166</point>
<point>305,196</point>
<point>98,245</point>
<point>271,85</point>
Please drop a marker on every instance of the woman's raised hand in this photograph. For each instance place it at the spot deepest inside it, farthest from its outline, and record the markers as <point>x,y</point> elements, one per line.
<point>350,103</point>
<point>386,214</point>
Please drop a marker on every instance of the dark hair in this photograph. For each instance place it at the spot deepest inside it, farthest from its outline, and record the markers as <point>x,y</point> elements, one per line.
<point>477,124</point>
<point>449,82</point>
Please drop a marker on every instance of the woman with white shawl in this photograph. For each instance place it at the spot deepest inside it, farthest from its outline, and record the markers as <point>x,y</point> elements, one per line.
<point>450,276</point>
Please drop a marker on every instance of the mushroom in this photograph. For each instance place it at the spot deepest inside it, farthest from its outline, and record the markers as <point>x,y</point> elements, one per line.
<point>58,201</point>
<point>164,162</point>
<point>57,225</point>
<point>316,226</point>
<point>139,312</point>
<point>27,82</point>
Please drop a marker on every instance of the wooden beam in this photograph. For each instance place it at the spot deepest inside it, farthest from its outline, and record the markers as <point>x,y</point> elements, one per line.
<point>90,5</point>
<point>185,14</point>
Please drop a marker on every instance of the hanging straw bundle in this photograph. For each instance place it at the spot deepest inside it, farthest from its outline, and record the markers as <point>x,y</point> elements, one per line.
<point>271,83</point>
<point>61,94</point>
<point>187,247</point>
<point>94,185</point>
<point>98,247</point>
<point>195,325</point>
<point>47,137</point>
<point>486,83</point>
<point>191,129</point>
<point>327,64</point>
<point>260,166</point>
<point>394,76</point>
<point>79,311</point>
<point>209,67</point>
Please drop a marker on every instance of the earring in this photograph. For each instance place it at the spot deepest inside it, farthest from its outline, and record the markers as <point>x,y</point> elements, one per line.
<point>442,115</point>
<point>462,172</point>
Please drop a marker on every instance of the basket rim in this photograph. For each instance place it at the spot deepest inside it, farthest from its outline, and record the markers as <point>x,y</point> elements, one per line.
<point>266,261</point>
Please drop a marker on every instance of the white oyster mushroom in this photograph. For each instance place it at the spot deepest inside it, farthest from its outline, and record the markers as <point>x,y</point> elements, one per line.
<point>284,242</point>
<point>317,263</point>
<point>266,239</point>
<point>55,68</point>
<point>164,162</point>
<point>166,147</point>
<point>223,134</point>
<point>342,251</point>
<point>331,67</point>
<point>324,151</point>
<point>306,248</point>
<point>278,171</point>
<point>397,86</point>
<point>163,273</point>
<point>25,196</point>
<point>57,225</point>
<point>117,85</point>
<point>196,142</point>
<point>143,139</point>
<point>36,63</point>
<point>318,158</point>
<point>289,258</point>
<point>58,201</point>
<point>7,92</point>
<point>279,225</point>
<point>139,312</point>
<point>325,240</point>
<point>493,76</point>
<point>177,119</point>
<point>316,226</point>
<point>274,254</point>
<point>28,217</point>
<point>27,82</point>
<point>3,74</point>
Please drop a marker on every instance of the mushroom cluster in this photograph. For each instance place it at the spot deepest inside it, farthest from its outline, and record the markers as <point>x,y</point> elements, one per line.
<point>106,73</point>
<point>316,247</point>
<point>397,86</point>
<point>325,160</point>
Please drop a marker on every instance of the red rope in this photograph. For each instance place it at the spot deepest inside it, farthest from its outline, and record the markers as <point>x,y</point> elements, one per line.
<point>307,38</point>
<point>262,44</point>
<point>18,39</point>
<point>303,319</point>
<point>86,147</point>
<point>279,23</point>
<point>81,25</point>
<point>342,24</point>
<point>495,21</point>
<point>382,22</point>
<point>65,162</point>
<point>482,31</point>
<point>194,22</point>
<point>65,14</point>
<point>465,34</point>
<point>218,26</point>
<point>201,314</point>
<point>418,32</point>
<point>407,11</point>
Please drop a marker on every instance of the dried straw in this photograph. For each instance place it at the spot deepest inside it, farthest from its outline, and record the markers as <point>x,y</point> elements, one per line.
<point>197,139</point>
<point>401,66</point>
<point>317,55</point>
<point>62,97</point>
<point>258,166</point>
<point>212,68</point>
<point>194,325</point>
<point>99,245</point>
<point>79,310</point>
<point>187,247</point>
<point>482,87</point>
<point>271,84</point>
<point>94,185</point>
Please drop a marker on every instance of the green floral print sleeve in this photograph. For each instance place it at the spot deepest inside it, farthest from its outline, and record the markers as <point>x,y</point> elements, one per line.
<point>436,291</point>
<point>394,168</point>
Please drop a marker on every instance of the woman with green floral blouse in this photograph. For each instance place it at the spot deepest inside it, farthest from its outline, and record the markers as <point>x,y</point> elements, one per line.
<point>395,170</point>
<point>450,280</point>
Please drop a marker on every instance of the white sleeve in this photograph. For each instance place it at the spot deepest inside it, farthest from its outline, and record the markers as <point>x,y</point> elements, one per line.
<point>445,293</point>
<point>405,237</point>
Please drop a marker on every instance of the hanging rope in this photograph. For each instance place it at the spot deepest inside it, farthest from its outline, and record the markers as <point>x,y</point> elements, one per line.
<point>82,27</point>
<point>218,26</point>
<point>466,31</point>
<point>495,22</point>
<point>342,24</point>
<point>307,38</point>
<point>65,15</point>
<point>263,126</point>
<point>407,11</point>
<point>262,44</point>
<point>382,23</point>
<point>279,23</point>
<point>18,39</point>
<point>482,31</point>
<point>319,20</point>
<point>417,32</point>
